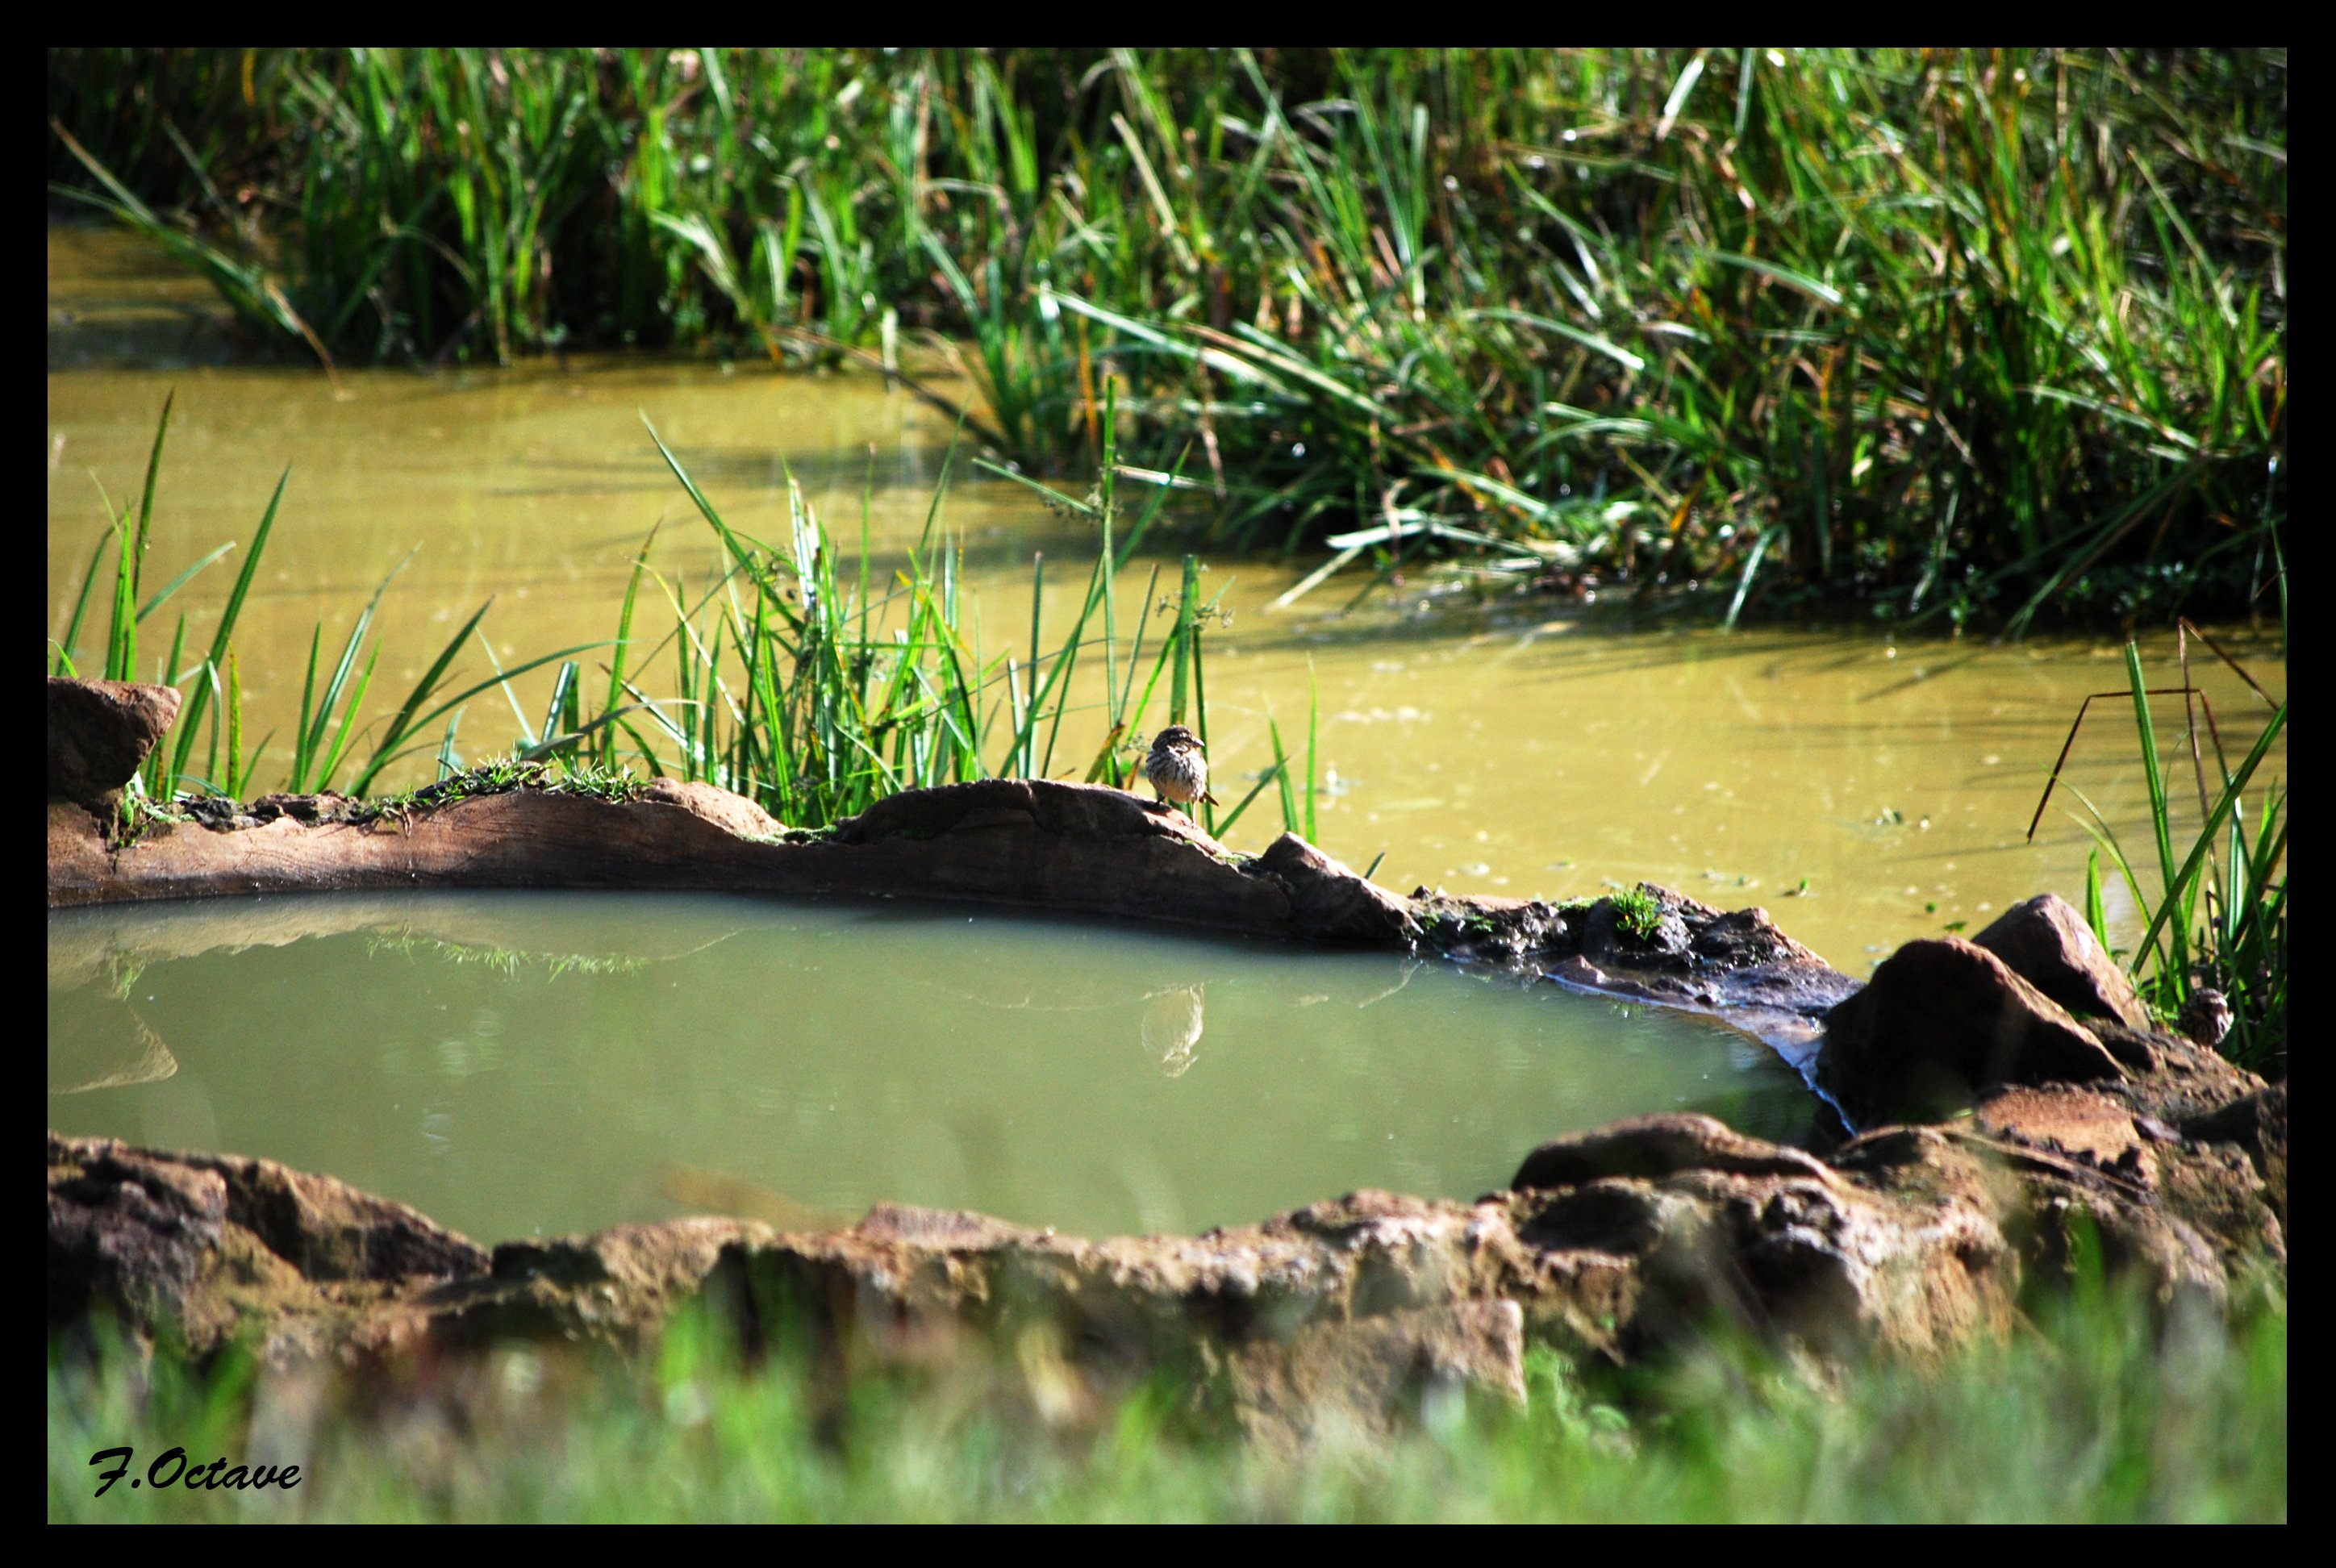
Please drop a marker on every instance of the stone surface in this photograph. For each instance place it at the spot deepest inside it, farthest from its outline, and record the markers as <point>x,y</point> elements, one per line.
<point>2256,1123</point>
<point>2046,942</point>
<point>2088,1127</point>
<point>732,813</point>
<point>1662,1145</point>
<point>1034,845</point>
<point>1734,961</point>
<point>78,856</point>
<point>204,1247</point>
<point>2167,1076</point>
<point>136,1235</point>
<point>1941,1021</point>
<point>1330,903</point>
<point>1348,1314</point>
<point>100,732</point>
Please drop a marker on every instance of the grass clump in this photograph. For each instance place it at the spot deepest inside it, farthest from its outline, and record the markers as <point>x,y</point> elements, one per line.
<point>501,775</point>
<point>815,692</point>
<point>2109,1410</point>
<point>1967,334</point>
<point>801,684</point>
<point>2218,918</point>
<point>1637,911</point>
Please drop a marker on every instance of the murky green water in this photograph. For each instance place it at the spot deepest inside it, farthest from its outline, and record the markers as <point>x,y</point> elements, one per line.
<point>518,1063</point>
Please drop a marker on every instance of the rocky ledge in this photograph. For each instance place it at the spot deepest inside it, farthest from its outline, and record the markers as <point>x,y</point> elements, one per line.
<point>1025,843</point>
<point>1616,1244</point>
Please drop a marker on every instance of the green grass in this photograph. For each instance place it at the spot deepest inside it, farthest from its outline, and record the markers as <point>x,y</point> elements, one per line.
<point>2217,915</point>
<point>2108,1412</point>
<point>327,729</point>
<point>1993,334</point>
<point>800,683</point>
<point>1637,912</point>
<point>815,692</point>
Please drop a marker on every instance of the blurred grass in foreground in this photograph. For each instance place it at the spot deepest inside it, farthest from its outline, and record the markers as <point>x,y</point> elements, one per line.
<point>2105,1412</point>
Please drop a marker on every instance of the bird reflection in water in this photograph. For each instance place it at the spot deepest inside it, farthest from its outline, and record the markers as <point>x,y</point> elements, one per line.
<point>1171,1027</point>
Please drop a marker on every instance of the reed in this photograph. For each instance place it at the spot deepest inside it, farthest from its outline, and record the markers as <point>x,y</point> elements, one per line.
<point>2217,914</point>
<point>798,681</point>
<point>1933,334</point>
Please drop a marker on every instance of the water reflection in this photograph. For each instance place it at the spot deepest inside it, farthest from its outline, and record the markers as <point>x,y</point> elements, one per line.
<point>521,1063</point>
<point>98,1041</point>
<point>1171,1027</point>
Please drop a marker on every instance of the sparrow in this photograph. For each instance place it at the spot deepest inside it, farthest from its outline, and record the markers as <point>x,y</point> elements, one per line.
<point>2206,1016</point>
<point>1177,767</point>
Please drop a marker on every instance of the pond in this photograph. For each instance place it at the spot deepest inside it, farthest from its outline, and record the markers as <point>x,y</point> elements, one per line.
<point>521,1063</point>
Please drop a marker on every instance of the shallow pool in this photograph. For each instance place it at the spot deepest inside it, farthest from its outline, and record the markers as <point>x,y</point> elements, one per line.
<point>524,1063</point>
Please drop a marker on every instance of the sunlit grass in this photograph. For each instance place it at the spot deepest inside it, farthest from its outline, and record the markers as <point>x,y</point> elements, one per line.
<point>2219,919</point>
<point>1994,333</point>
<point>802,682</point>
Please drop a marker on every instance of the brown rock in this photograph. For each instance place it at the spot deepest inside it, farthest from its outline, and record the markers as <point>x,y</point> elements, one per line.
<point>1016,843</point>
<point>732,813</point>
<point>1366,1379</point>
<point>1331,903</point>
<point>331,1232</point>
<point>2092,1127</point>
<point>100,732</point>
<point>2257,1123</point>
<point>1346,1315</point>
<point>1704,957</point>
<point>204,1247</point>
<point>616,1286</point>
<point>132,1234</point>
<point>1659,1145</point>
<point>2047,944</point>
<point>1939,1021</point>
<point>2169,1077</point>
<point>77,856</point>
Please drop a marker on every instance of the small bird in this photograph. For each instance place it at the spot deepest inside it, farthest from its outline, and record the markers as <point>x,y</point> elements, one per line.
<point>1177,767</point>
<point>2206,1016</point>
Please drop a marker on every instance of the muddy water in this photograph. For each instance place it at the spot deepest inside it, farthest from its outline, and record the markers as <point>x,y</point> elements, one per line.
<point>1867,790</point>
<point>519,1063</point>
